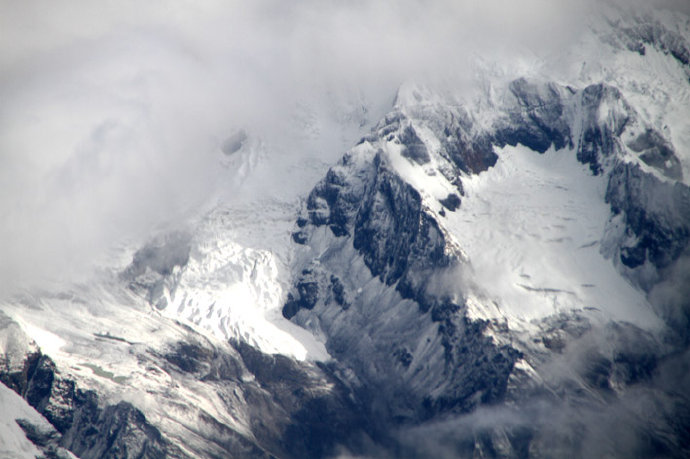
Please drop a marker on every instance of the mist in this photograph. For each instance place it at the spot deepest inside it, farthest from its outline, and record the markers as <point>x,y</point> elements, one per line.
<point>114,115</point>
<point>578,416</point>
<point>114,112</point>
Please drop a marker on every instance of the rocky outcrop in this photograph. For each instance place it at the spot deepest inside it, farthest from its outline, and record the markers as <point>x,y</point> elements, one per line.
<point>599,141</point>
<point>292,409</point>
<point>636,38</point>
<point>363,213</point>
<point>414,345</point>
<point>84,427</point>
<point>387,225</point>
<point>380,277</point>
<point>536,117</point>
<point>656,215</point>
<point>607,135</point>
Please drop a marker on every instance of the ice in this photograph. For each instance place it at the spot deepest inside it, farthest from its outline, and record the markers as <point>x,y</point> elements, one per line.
<point>531,226</point>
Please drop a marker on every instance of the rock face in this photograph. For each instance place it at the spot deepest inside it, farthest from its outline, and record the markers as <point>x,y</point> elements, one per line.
<point>407,336</point>
<point>84,428</point>
<point>656,215</point>
<point>536,118</point>
<point>291,409</point>
<point>372,215</point>
<point>380,274</point>
<point>654,34</point>
<point>498,268</point>
<point>613,141</point>
<point>424,361</point>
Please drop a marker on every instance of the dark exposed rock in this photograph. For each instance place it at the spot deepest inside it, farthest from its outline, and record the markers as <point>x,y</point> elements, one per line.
<point>291,307</point>
<point>299,409</point>
<point>471,155</point>
<point>332,202</point>
<point>658,153</point>
<point>38,437</point>
<point>391,231</point>
<point>231,443</point>
<point>306,295</point>
<point>404,357</point>
<point>338,290</point>
<point>19,380</point>
<point>316,422</point>
<point>451,202</point>
<point>191,357</point>
<point>47,440</point>
<point>299,237</point>
<point>308,292</point>
<point>657,215</point>
<point>537,120</point>
<point>442,311</point>
<point>204,361</point>
<point>655,34</point>
<point>53,397</point>
<point>600,140</point>
<point>466,150</point>
<point>117,431</point>
<point>413,147</point>
<point>635,256</point>
<point>476,367</point>
<point>403,246</point>
<point>291,415</point>
<point>87,430</point>
<point>296,409</point>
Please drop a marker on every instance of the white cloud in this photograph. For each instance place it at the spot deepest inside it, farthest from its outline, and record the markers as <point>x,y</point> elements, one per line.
<point>112,111</point>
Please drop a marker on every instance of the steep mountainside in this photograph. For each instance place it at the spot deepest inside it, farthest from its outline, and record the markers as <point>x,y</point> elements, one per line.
<point>500,271</point>
<point>385,280</point>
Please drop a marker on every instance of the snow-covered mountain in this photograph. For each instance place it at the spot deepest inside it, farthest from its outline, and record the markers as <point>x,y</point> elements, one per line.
<point>497,268</point>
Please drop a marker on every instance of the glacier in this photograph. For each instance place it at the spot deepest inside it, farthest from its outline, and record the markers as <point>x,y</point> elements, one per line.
<point>496,268</point>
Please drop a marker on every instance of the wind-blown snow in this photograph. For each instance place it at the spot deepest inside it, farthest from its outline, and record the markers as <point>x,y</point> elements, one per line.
<point>236,291</point>
<point>530,228</point>
<point>234,284</point>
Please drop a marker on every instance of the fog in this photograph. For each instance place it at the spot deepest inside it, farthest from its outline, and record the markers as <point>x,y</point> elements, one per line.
<point>113,112</point>
<point>648,420</point>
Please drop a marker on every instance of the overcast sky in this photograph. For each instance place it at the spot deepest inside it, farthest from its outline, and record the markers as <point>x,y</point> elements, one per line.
<point>112,111</point>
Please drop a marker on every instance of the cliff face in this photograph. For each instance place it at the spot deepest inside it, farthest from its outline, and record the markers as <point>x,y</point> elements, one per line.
<point>494,271</point>
<point>279,407</point>
<point>384,279</point>
<point>82,427</point>
<point>389,270</point>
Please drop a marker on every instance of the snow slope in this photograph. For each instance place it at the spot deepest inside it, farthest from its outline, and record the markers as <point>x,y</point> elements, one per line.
<point>522,247</point>
<point>13,441</point>
<point>532,227</point>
